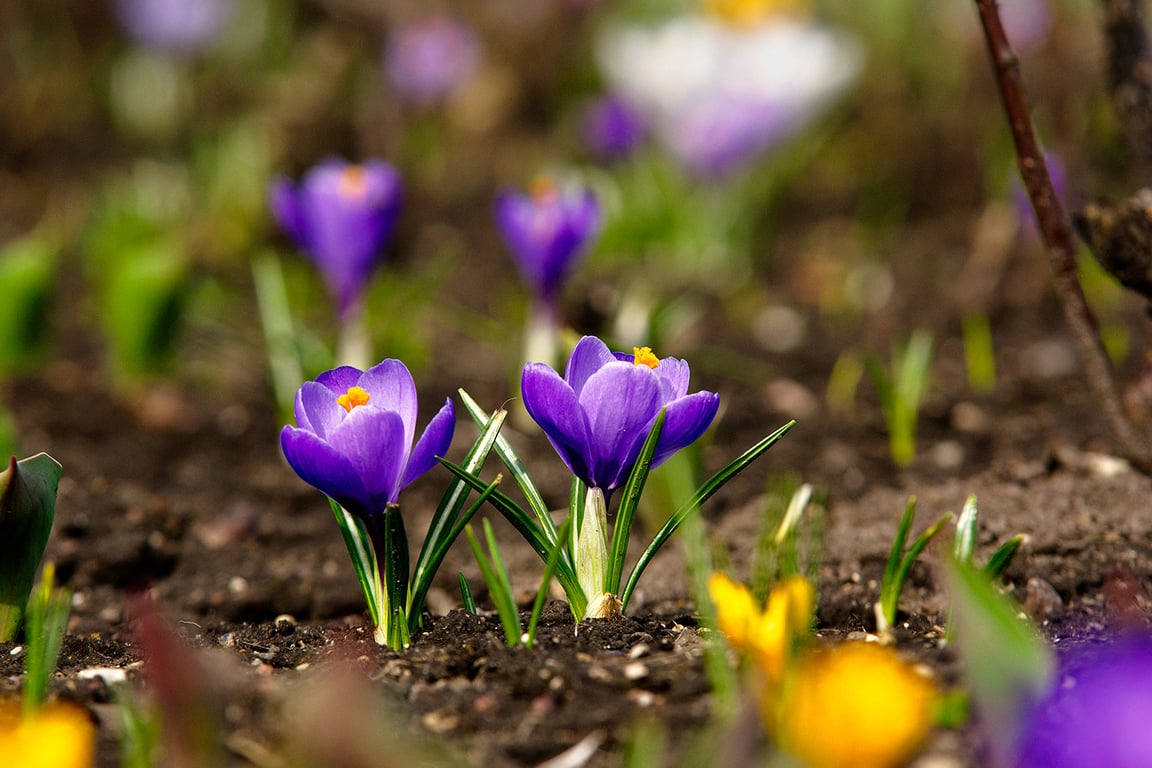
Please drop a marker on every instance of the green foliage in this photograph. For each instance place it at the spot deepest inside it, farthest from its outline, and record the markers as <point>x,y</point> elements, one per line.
<point>791,536</point>
<point>979,354</point>
<point>901,392</point>
<point>27,273</point>
<point>48,610</point>
<point>395,601</point>
<point>141,728</point>
<point>27,509</point>
<point>495,574</point>
<point>900,561</point>
<point>1007,660</point>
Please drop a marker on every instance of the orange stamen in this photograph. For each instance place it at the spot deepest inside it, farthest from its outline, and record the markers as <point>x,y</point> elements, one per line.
<point>544,188</point>
<point>353,181</point>
<point>644,356</point>
<point>353,397</point>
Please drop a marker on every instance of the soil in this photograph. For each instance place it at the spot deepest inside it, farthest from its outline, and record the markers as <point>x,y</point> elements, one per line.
<point>174,488</point>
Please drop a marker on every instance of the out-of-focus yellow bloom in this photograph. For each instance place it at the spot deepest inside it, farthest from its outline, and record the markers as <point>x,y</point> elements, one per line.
<point>58,736</point>
<point>749,13</point>
<point>767,635</point>
<point>857,704</point>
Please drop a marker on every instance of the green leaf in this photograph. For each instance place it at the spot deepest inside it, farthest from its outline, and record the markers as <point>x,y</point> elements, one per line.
<point>546,582</point>
<point>445,525</point>
<point>495,575</point>
<point>629,501</point>
<point>143,304</point>
<point>1007,660</point>
<point>703,493</point>
<point>1003,556</point>
<point>536,538</point>
<point>518,471</point>
<point>27,509</point>
<point>27,270</point>
<point>966,531</point>
<point>359,545</point>
<point>466,595</point>
<point>48,611</point>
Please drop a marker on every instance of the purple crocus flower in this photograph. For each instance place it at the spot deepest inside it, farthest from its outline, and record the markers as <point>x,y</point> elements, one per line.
<point>176,26</point>
<point>598,416</point>
<point>340,215</point>
<point>428,58</point>
<point>612,129</point>
<point>1097,712</point>
<point>354,436</point>
<point>547,231</point>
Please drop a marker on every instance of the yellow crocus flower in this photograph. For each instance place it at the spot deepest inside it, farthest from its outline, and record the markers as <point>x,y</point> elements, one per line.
<point>857,704</point>
<point>56,736</point>
<point>764,635</point>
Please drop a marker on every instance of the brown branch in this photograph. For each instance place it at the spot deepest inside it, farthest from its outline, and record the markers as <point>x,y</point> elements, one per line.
<point>1056,229</point>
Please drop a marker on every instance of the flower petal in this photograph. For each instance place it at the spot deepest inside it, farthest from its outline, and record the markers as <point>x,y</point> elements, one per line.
<point>588,356</point>
<point>285,205</point>
<point>674,375</point>
<point>326,469</point>
<point>340,379</point>
<point>317,409</point>
<point>434,441</point>
<point>553,405</point>
<point>620,401</point>
<point>391,388</point>
<point>372,440</point>
<point>685,420</point>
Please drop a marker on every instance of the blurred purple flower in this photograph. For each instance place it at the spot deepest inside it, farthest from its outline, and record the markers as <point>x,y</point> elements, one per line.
<point>341,215</point>
<point>1098,711</point>
<point>612,129</point>
<point>428,58</point>
<point>1026,22</point>
<point>598,416</point>
<point>547,232</point>
<point>720,136</point>
<point>354,436</point>
<point>176,26</point>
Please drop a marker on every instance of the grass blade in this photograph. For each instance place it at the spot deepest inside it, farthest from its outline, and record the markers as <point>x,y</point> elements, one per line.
<point>528,528</point>
<point>1002,557</point>
<point>546,582</point>
<point>466,595</point>
<point>363,558</point>
<point>622,530</point>
<point>442,530</point>
<point>703,493</point>
<point>518,471</point>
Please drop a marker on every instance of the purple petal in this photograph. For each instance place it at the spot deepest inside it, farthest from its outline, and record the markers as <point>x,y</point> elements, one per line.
<point>674,375</point>
<point>339,380</point>
<point>317,410</point>
<point>589,355</point>
<point>326,469</point>
<point>685,420</point>
<point>553,405</point>
<point>620,401</point>
<point>373,442</point>
<point>433,442</point>
<point>390,387</point>
<point>286,209</point>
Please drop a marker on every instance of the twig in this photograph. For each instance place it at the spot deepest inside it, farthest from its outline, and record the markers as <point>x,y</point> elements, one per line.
<point>1056,229</point>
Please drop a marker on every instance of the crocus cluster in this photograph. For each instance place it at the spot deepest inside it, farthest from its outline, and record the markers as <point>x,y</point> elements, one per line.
<point>853,704</point>
<point>716,94</point>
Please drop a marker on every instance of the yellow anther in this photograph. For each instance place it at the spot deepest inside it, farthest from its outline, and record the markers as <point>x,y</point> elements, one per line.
<point>644,356</point>
<point>749,13</point>
<point>353,397</point>
<point>353,181</point>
